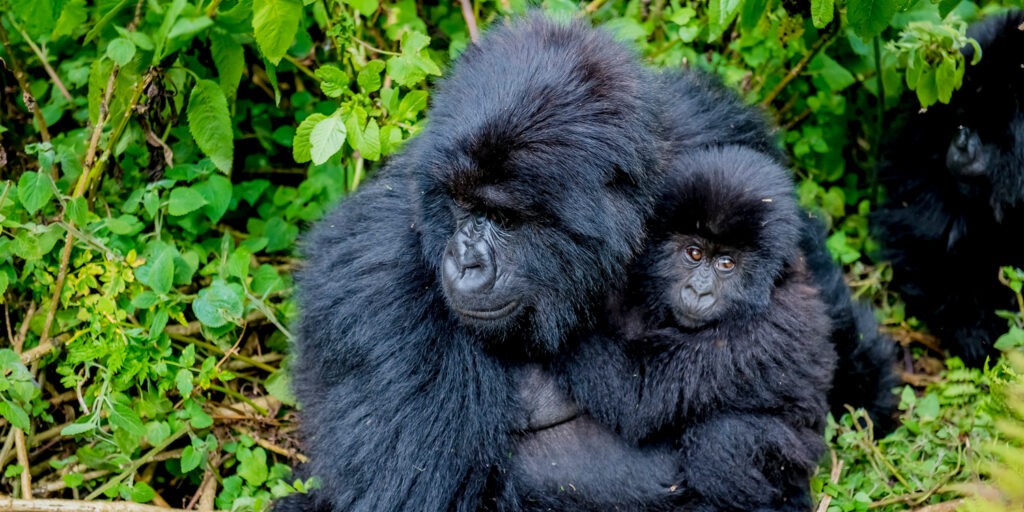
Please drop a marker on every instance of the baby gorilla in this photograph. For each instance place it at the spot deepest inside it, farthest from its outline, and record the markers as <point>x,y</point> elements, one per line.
<point>718,346</point>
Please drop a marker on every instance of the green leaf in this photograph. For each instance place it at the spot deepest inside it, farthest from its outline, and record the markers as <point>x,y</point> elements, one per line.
<point>945,78</point>
<point>822,12</point>
<point>369,146</point>
<point>218,304</point>
<point>170,16</point>
<point>333,81</point>
<point>210,123</point>
<point>274,24</point>
<point>34,190</point>
<point>183,381</point>
<point>252,465</point>
<point>947,6</point>
<point>412,104</point>
<point>121,51</point>
<point>927,91</point>
<point>870,17</point>
<point>928,407</point>
<point>73,16</point>
<point>185,200</point>
<point>750,16</point>
<point>365,7</point>
<point>229,57</point>
<point>369,77</point>
<point>301,146</point>
<point>217,192</point>
<point>190,459</point>
<point>142,492</point>
<point>15,414</point>
<point>128,420</point>
<point>326,138</point>
<point>76,428</point>
<point>721,13</point>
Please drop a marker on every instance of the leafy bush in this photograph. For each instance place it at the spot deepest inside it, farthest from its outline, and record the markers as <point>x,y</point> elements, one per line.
<point>159,159</point>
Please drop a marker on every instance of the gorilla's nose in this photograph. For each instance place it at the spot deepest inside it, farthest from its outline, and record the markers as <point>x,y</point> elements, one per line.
<point>469,266</point>
<point>962,139</point>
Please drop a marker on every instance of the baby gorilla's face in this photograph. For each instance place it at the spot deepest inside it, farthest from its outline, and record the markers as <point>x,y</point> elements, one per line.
<point>703,277</point>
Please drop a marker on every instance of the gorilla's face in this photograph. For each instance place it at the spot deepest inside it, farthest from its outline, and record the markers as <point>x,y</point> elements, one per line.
<point>528,248</point>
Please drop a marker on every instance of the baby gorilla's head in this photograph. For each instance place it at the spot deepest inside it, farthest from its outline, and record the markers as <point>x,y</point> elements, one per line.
<point>725,228</point>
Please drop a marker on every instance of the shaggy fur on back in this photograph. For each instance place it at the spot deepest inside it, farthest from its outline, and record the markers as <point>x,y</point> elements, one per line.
<point>947,234</point>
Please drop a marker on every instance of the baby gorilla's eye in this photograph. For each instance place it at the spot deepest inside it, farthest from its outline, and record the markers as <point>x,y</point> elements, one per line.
<point>694,253</point>
<point>725,263</point>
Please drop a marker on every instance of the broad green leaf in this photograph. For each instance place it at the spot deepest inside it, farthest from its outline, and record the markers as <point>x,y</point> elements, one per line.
<point>74,14</point>
<point>217,192</point>
<point>333,81</point>
<point>822,12</point>
<point>218,304</point>
<point>78,211</point>
<point>142,492</point>
<point>185,200</point>
<point>947,6</point>
<point>128,420</point>
<point>190,458</point>
<point>229,57</point>
<point>76,428</point>
<point>183,381</point>
<point>751,14</point>
<point>928,407</point>
<point>170,16</point>
<point>15,414</point>
<point>927,91</point>
<point>210,123</point>
<point>252,465</point>
<point>869,18</point>
<point>274,24</point>
<point>160,268</point>
<point>945,78</point>
<point>326,139</point>
<point>34,190</point>
<point>369,77</point>
<point>412,104</point>
<point>121,51</point>
<point>369,146</point>
<point>721,14</point>
<point>38,17</point>
<point>365,7</point>
<point>301,145</point>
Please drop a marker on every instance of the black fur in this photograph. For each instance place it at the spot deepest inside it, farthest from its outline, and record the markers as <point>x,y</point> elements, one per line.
<point>404,407</point>
<point>947,234</point>
<point>742,399</point>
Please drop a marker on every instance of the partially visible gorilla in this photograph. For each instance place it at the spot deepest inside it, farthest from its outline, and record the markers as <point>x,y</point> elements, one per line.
<point>955,177</point>
<point>435,297</point>
<point>718,345</point>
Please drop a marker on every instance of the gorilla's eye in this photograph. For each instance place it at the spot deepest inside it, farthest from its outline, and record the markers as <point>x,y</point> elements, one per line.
<point>694,253</point>
<point>725,264</point>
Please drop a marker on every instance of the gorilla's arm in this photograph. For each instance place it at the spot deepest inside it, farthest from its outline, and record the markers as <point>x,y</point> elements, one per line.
<point>402,412</point>
<point>748,462</point>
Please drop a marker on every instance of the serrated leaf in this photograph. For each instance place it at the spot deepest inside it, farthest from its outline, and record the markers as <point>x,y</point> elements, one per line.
<point>274,24</point>
<point>369,146</point>
<point>218,304</point>
<point>252,465</point>
<point>333,81</point>
<point>185,200</point>
<point>217,192</point>
<point>945,78</point>
<point>15,414</point>
<point>868,18</point>
<point>71,18</point>
<point>34,190</point>
<point>326,139</point>
<point>128,420</point>
<point>76,428</point>
<point>183,381</point>
<point>301,145</point>
<point>369,77</point>
<point>142,492</point>
<point>121,51</point>
<point>365,7</point>
<point>159,270</point>
<point>412,103</point>
<point>229,57</point>
<point>822,12</point>
<point>210,123</point>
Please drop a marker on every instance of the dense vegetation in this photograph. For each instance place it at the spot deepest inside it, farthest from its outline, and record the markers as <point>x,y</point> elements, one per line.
<point>159,159</point>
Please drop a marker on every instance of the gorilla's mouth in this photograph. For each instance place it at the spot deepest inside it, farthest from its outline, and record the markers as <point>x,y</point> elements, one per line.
<point>490,314</point>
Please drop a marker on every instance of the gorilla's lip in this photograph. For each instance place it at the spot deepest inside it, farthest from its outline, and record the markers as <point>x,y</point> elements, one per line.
<point>490,314</point>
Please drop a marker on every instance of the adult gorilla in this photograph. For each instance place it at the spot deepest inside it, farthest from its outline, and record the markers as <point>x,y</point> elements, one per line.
<point>479,247</point>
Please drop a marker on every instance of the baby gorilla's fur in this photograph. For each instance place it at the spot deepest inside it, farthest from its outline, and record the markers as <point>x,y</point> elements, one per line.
<point>955,177</point>
<point>738,388</point>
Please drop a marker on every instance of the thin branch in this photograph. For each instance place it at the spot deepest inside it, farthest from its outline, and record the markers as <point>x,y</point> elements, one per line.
<point>467,13</point>
<point>26,94</point>
<point>374,48</point>
<point>26,477</point>
<point>820,44</point>
<point>42,57</point>
<point>137,463</point>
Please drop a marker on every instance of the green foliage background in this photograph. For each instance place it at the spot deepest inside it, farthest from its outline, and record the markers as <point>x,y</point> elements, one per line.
<point>159,159</point>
